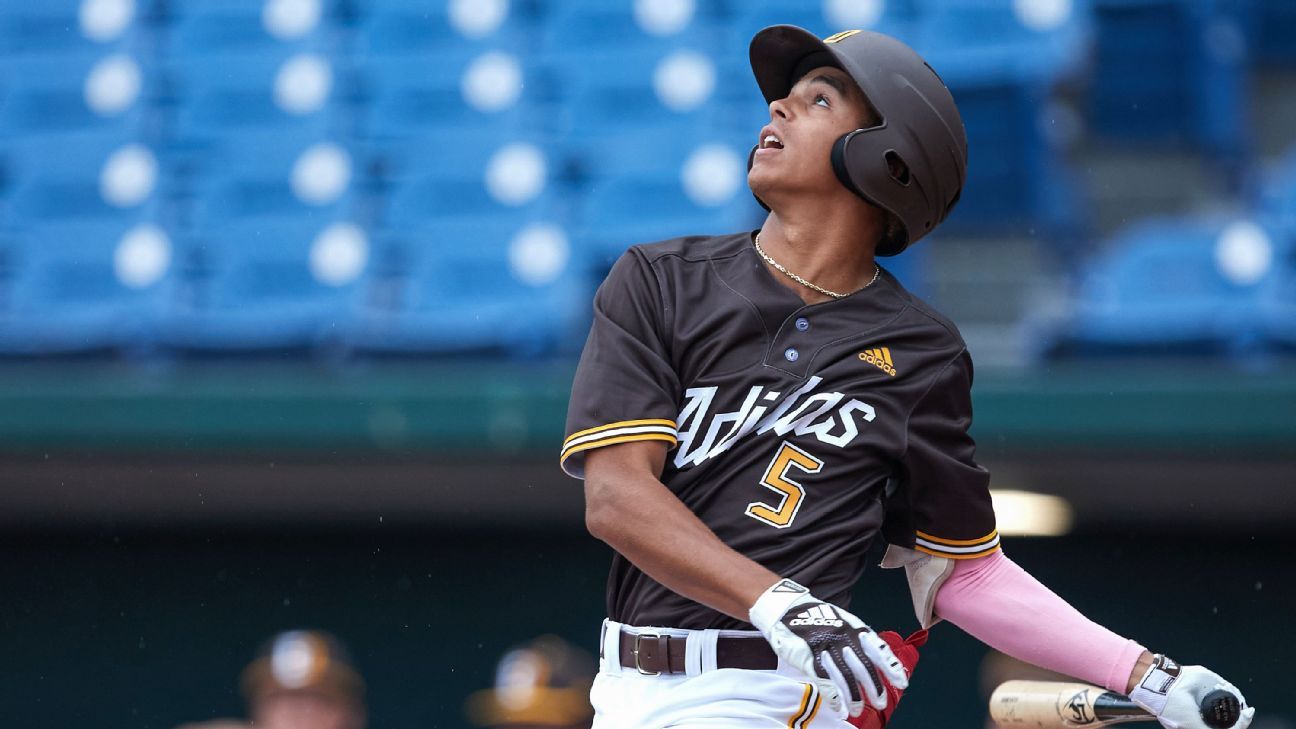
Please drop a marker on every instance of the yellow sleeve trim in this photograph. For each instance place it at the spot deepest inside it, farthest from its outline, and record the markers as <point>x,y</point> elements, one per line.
<point>619,439</point>
<point>956,548</point>
<point>620,424</point>
<point>994,534</point>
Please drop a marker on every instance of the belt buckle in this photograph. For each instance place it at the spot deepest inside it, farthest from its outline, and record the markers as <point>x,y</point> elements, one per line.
<point>639,668</point>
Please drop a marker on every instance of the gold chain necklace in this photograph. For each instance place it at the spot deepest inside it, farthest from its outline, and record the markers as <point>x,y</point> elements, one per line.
<point>877,271</point>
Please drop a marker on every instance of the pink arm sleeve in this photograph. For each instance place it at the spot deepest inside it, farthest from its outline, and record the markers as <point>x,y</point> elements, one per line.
<point>998,603</point>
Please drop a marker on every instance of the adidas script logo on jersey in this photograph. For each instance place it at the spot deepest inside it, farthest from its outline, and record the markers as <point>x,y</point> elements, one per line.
<point>879,357</point>
<point>828,416</point>
<point>817,615</point>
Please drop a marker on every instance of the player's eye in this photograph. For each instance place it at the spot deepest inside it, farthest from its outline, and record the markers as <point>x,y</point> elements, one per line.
<point>822,100</point>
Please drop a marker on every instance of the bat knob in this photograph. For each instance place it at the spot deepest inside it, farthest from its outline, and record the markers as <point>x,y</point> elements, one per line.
<point>1220,709</point>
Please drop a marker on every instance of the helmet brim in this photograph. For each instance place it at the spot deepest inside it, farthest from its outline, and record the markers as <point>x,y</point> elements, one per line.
<point>778,53</point>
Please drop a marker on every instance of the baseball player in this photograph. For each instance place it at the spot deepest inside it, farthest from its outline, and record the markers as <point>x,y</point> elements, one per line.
<point>752,411</point>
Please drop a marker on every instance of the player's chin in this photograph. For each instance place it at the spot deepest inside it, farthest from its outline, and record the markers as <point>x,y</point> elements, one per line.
<point>762,179</point>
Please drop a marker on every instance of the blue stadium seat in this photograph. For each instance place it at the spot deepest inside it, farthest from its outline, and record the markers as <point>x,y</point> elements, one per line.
<point>603,92</point>
<point>494,286</point>
<point>442,27</point>
<point>57,27</point>
<point>74,92</point>
<point>608,29</point>
<point>1045,42</point>
<point>423,202</point>
<point>1186,287</point>
<point>83,175</point>
<point>274,174</point>
<point>505,178</point>
<point>418,94</point>
<point>652,151</point>
<point>270,284</point>
<point>630,116</point>
<point>461,156</point>
<point>821,17</point>
<point>1171,71</point>
<point>218,95</point>
<point>221,27</point>
<point>84,287</point>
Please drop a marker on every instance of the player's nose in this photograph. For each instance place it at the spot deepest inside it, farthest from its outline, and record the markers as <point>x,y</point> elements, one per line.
<point>780,109</point>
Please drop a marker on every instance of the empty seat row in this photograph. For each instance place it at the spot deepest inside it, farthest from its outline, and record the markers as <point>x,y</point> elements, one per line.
<point>287,284</point>
<point>1189,287</point>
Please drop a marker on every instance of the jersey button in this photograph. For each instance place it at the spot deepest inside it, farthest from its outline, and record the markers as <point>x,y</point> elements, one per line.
<point>790,354</point>
<point>802,324</point>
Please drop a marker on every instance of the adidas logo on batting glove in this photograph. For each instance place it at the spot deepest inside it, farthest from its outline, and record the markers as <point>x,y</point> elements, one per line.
<point>847,660</point>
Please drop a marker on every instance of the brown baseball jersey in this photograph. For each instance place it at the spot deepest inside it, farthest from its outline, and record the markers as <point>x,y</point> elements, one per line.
<point>798,433</point>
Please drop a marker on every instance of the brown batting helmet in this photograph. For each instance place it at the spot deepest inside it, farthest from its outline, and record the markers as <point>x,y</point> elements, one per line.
<point>912,164</point>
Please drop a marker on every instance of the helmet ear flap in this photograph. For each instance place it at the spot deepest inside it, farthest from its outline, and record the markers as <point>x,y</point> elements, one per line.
<point>841,151</point>
<point>751,160</point>
<point>840,168</point>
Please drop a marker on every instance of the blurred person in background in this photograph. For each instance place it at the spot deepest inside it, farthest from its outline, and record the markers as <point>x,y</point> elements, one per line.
<point>542,683</point>
<point>301,679</point>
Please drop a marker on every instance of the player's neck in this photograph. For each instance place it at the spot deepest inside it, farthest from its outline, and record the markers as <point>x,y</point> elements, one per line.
<point>832,249</point>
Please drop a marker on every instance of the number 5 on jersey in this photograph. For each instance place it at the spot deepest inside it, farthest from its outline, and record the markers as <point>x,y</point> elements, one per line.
<point>776,479</point>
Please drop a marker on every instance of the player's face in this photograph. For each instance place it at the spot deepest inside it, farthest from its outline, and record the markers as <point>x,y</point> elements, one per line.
<point>794,149</point>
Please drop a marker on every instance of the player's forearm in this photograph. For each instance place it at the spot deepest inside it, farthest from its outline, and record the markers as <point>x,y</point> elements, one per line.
<point>642,520</point>
<point>1000,604</point>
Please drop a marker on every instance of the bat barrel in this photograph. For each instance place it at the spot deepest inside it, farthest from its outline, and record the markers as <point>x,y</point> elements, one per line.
<point>1059,705</point>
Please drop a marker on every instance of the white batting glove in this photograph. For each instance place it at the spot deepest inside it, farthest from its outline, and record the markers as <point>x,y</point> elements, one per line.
<point>1174,693</point>
<point>842,655</point>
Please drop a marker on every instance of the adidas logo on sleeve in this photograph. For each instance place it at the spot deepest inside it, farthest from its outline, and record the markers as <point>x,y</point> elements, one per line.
<point>817,615</point>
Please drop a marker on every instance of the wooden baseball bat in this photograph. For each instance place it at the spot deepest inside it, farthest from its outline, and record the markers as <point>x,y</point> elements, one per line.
<point>1062,705</point>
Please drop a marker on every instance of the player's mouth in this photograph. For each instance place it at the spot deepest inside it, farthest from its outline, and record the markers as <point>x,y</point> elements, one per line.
<point>769,143</point>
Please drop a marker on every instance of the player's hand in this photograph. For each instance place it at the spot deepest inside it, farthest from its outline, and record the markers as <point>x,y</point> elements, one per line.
<point>847,660</point>
<point>1174,693</point>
